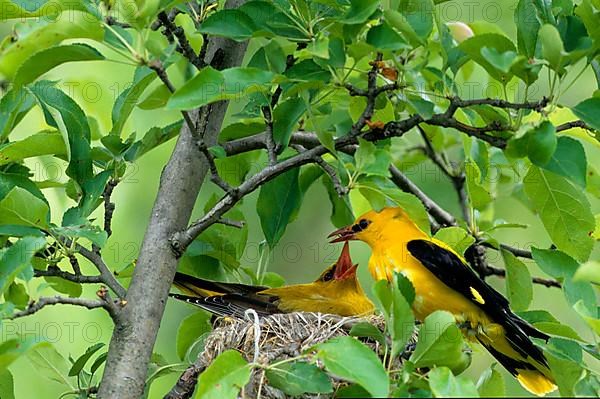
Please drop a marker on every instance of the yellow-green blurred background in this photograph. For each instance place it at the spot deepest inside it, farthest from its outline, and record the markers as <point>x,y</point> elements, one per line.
<point>303,251</point>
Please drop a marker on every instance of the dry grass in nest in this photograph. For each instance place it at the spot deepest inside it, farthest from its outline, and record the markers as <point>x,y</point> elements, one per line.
<point>282,336</point>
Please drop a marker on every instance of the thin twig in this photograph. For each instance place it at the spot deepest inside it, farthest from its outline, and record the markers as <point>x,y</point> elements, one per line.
<point>186,384</point>
<point>339,187</point>
<point>185,48</point>
<point>109,207</point>
<point>108,278</point>
<point>74,264</point>
<point>573,124</point>
<point>46,301</point>
<point>238,224</point>
<point>270,141</point>
<point>496,271</point>
<point>54,271</point>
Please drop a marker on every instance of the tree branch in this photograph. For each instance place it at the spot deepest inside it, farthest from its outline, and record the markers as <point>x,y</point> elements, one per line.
<point>496,271</point>
<point>339,187</point>
<point>106,275</point>
<point>54,271</point>
<point>573,124</point>
<point>131,346</point>
<point>34,307</point>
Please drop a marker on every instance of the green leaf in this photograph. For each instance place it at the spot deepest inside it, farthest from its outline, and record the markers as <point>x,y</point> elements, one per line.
<point>70,288</point>
<point>500,43</point>
<point>88,231</point>
<point>381,192</point>
<point>561,266</point>
<point>83,359</point>
<point>569,160</point>
<point>20,207</point>
<point>501,61</point>
<point>479,195</point>
<point>589,271</point>
<point>360,11</point>
<point>371,160</point>
<point>269,58</point>
<point>17,294</point>
<point>62,112</point>
<point>299,377</point>
<point>395,307</point>
<point>128,99</point>
<point>445,385</point>
<point>224,378</point>
<point>456,237</point>
<point>156,99</point>
<point>12,349</point>
<point>210,85</point>
<point>527,27</point>
<point>43,61</point>
<point>564,211</point>
<point>341,210</point>
<point>49,363</point>
<point>518,282</point>
<point>353,361</point>
<point>552,46</point>
<point>420,15</point>
<point>42,143</point>
<point>398,21</point>
<point>383,37</point>
<point>285,118</point>
<point>567,371</point>
<point>190,329</point>
<point>98,362</point>
<point>234,24</point>
<point>587,111</point>
<point>491,384</point>
<point>278,201</point>
<point>7,390</point>
<point>440,342</point>
<point>15,104</point>
<point>542,143</point>
<point>367,330</point>
<point>152,139</point>
<point>92,190</point>
<point>33,36</point>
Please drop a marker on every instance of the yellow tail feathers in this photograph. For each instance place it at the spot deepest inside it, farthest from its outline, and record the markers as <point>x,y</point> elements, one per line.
<point>535,382</point>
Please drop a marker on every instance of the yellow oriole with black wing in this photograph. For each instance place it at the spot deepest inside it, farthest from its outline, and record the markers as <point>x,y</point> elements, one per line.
<point>336,291</point>
<point>443,281</point>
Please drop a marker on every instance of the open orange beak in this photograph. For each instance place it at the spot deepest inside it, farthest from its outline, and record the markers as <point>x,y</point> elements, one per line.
<point>344,267</point>
<point>343,234</point>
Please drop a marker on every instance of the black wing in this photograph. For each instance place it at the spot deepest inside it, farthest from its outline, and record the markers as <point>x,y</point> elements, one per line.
<point>233,305</point>
<point>455,273</point>
<point>194,285</point>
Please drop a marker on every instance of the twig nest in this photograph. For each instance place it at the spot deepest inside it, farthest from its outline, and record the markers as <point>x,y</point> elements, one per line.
<point>281,336</point>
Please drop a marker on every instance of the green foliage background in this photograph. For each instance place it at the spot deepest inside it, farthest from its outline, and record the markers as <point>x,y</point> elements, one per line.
<point>302,252</point>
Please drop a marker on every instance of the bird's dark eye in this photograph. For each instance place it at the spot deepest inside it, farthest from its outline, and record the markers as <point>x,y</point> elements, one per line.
<point>363,223</point>
<point>328,276</point>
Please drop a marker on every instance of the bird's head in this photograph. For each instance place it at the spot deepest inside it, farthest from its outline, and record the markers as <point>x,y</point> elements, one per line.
<point>343,269</point>
<point>377,227</point>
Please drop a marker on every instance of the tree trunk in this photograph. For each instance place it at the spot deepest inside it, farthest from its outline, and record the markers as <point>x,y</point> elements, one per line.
<point>134,336</point>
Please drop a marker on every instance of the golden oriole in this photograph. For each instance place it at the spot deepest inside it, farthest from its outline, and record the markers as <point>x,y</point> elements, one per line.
<point>336,291</point>
<point>443,281</point>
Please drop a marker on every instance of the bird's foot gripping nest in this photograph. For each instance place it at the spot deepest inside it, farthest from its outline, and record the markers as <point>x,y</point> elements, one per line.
<point>280,337</point>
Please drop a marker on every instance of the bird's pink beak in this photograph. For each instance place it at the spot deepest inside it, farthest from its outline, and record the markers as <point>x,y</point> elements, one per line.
<point>344,267</point>
<point>343,234</point>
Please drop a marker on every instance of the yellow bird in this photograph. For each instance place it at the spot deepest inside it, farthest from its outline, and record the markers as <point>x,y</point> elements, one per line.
<point>336,291</point>
<point>443,281</point>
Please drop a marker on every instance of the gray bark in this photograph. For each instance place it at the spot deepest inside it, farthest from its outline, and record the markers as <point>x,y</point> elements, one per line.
<point>134,336</point>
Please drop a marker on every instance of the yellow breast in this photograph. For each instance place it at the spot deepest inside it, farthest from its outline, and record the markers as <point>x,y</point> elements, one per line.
<point>431,293</point>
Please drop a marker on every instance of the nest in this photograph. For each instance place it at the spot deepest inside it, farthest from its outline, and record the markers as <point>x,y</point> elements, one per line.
<point>280,337</point>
